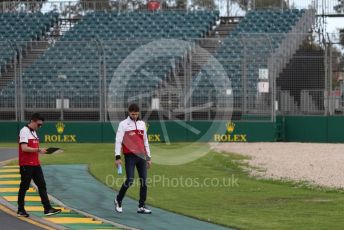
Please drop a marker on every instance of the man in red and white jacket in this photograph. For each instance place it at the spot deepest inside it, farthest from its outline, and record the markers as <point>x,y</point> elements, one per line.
<point>131,139</point>
<point>30,166</point>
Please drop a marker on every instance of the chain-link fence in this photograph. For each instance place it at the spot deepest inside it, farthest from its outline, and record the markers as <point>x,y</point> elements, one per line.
<point>246,77</point>
<point>168,78</point>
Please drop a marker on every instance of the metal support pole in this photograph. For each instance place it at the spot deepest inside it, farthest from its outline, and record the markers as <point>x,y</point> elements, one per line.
<point>272,77</point>
<point>21,93</point>
<point>100,90</point>
<point>169,105</point>
<point>326,80</point>
<point>282,5</point>
<point>62,79</point>
<point>189,84</point>
<point>62,102</point>
<point>101,79</point>
<point>104,83</point>
<point>244,81</point>
<point>209,99</point>
<point>272,80</point>
<point>331,97</point>
<point>16,99</point>
<point>185,87</point>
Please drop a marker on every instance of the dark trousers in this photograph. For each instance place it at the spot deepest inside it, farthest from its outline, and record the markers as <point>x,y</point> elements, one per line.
<point>132,161</point>
<point>36,174</point>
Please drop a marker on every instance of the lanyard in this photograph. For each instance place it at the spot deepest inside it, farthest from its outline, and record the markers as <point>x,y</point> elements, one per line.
<point>34,135</point>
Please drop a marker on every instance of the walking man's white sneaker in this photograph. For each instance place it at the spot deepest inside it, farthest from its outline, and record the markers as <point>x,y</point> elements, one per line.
<point>144,210</point>
<point>118,206</point>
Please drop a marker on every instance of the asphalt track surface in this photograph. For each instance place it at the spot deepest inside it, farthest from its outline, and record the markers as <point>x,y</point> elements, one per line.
<point>8,153</point>
<point>7,221</point>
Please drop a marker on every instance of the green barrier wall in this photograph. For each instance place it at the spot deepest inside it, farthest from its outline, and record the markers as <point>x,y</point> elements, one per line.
<point>306,128</point>
<point>335,130</point>
<point>219,131</point>
<point>314,128</point>
<point>288,128</point>
<point>9,131</point>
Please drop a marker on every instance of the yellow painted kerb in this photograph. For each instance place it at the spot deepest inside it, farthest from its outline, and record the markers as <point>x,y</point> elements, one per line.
<point>28,220</point>
<point>41,209</point>
<point>7,182</point>
<point>9,176</point>
<point>72,220</point>
<point>9,170</point>
<point>15,190</point>
<point>27,198</point>
<point>11,166</point>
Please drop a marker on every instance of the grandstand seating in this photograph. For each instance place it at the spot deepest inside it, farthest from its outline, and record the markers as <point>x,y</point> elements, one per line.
<point>20,28</point>
<point>247,48</point>
<point>98,43</point>
<point>78,53</point>
<point>167,24</point>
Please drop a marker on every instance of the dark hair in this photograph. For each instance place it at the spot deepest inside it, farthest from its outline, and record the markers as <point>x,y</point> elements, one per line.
<point>133,108</point>
<point>36,117</point>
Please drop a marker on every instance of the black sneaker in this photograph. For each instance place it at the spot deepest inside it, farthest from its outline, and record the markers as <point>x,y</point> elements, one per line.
<point>144,210</point>
<point>118,206</point>
<point>52,211</point>
<point>22,213</point>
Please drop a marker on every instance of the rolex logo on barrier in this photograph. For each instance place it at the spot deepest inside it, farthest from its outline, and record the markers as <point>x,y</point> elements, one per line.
<point>60,127</point>
<point>230,136</point>
<point>60,137</point>
<point>230,127</point>
<point>152,137</point>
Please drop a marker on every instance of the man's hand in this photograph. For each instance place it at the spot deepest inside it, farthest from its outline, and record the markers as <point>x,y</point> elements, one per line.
<point>149,163</point>
<point>42,151</point>
<point>118,162</point>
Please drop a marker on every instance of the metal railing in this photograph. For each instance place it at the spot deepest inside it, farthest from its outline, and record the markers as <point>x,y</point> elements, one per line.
<point>321,7</point>
<point>74,8</point>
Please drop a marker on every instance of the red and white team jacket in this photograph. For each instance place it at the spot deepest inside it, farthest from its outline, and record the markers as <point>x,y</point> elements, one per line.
<point>29,137</point>
<point>131,138</point>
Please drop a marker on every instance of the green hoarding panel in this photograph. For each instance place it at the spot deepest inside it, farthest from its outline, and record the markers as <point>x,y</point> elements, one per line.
<point>108,132</point>
<point>288,128</point>
<point>172,131</point>
<point>306,128</point>
<point>217,131</point>
<point>166,131</point>
<point>336,129</point>
<point>10,132</point>
<point>71,132</point>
